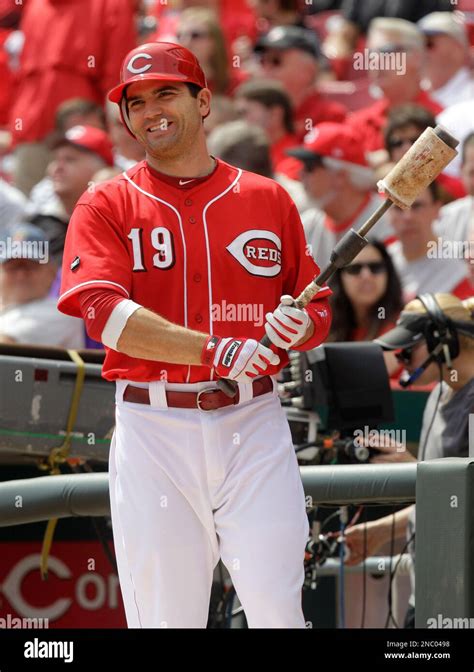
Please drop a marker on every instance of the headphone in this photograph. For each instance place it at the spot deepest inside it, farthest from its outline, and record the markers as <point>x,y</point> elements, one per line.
<point>440,332</point>
<point>441,335</point>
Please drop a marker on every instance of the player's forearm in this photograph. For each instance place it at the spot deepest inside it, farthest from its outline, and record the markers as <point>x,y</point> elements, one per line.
<point>149,336</point>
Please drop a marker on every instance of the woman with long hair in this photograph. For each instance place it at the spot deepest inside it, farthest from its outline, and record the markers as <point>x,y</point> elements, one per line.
<point>367,296</point>
<point>199,31</point>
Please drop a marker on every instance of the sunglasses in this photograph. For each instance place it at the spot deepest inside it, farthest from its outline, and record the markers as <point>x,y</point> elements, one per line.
<point>375,267</point>
<point>311,164</point>
<point>404,356</point>
<point>275,60</point>
<point>417,205</point>
<point>396,143</point>
<point>193,35</point>
<point>430,43</point>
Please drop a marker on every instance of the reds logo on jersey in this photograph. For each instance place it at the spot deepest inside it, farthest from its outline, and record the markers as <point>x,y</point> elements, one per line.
<point>258,251</point>
<point>138,71</point>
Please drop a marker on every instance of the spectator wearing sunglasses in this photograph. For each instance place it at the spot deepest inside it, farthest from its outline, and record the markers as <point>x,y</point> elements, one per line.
<point>422,264</point>
<point>366,299</point>
<point>199,31</point>
<point>446,68</point>
<point>404,126</point>
<point>291,55</point>
<point>336,177</point>
<point>391,85</point>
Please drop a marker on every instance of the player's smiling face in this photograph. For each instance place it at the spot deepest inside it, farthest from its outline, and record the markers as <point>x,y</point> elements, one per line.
<point>165,117</point>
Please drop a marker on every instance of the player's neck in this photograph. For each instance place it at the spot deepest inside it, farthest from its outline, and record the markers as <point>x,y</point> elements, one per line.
<point>197,166</point>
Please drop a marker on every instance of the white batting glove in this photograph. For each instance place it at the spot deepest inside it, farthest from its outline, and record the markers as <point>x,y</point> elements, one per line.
<point>239,359</point>
<point>286,325</point>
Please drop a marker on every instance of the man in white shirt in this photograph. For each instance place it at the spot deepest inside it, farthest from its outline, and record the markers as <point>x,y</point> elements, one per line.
<point>425,266</point>
<point>447,58</point>
<point>456,219</point>
<point>337,179</point>
<point>27,314</point>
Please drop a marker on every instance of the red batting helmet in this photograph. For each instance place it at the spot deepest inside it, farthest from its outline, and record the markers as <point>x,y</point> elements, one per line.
<point>158,60</point>
<point>163,61</point>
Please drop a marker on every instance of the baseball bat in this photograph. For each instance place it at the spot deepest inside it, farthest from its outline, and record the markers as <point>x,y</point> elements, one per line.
<point>421,164</point>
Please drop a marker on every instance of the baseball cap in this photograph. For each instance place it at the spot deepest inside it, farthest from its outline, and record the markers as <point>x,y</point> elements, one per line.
<point>23,241</point>
<point>444,23</point>
<point>289,37</point>
<point>332,140</point>
<point>409,330</point>
<point>92,139</point>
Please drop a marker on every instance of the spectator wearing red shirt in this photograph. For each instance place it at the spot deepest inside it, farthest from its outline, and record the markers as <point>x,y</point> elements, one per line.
<point>72,49</point>
<point>290,54</point>
<point>199,31</point>
<point>266,104</point>
<point>399,47</point>
<point>236,19</point>
<point>337,179</point>
<point>366,299</point>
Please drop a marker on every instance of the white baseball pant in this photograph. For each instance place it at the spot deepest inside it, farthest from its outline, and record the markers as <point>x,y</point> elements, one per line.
<point>189,486</point>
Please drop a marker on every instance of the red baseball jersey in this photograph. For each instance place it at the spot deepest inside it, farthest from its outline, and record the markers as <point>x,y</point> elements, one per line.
<point>214,257</point>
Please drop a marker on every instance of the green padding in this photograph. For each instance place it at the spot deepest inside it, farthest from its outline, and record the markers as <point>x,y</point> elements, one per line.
<point>444,564</point>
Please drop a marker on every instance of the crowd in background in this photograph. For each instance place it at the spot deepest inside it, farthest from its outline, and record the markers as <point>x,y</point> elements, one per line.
<point>322,96</point>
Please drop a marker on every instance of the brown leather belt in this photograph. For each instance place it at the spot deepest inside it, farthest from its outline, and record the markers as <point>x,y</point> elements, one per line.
<point>208,399</point>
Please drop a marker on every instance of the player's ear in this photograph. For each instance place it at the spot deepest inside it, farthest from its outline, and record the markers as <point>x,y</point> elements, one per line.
<point>204,102</point>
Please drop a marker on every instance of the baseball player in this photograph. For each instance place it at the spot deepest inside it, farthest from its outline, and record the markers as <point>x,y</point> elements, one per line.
<point>177,266</point>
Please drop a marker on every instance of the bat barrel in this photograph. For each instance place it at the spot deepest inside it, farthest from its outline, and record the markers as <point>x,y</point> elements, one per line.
<point>444,135</point>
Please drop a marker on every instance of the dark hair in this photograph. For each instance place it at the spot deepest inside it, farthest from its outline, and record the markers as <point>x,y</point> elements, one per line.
<point>270,94</point>
<point>435,191</point>
<point>193,89</point>
<point>407,115</point>
<point>469,140</point>
<point>344,321</point>
<point>242,145</point>
<point>77,106</point>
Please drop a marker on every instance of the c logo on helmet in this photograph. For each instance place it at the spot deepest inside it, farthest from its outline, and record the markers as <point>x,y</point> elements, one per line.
<point>138,71</point>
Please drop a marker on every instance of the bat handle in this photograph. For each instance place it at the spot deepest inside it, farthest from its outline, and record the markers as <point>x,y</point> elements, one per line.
<point>229,387</point>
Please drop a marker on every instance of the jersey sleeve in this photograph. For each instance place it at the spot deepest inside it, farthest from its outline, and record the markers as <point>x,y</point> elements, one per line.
<point>95,255</point>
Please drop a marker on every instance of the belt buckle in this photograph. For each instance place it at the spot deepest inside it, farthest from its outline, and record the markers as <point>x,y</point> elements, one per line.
<point>198,398</point>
